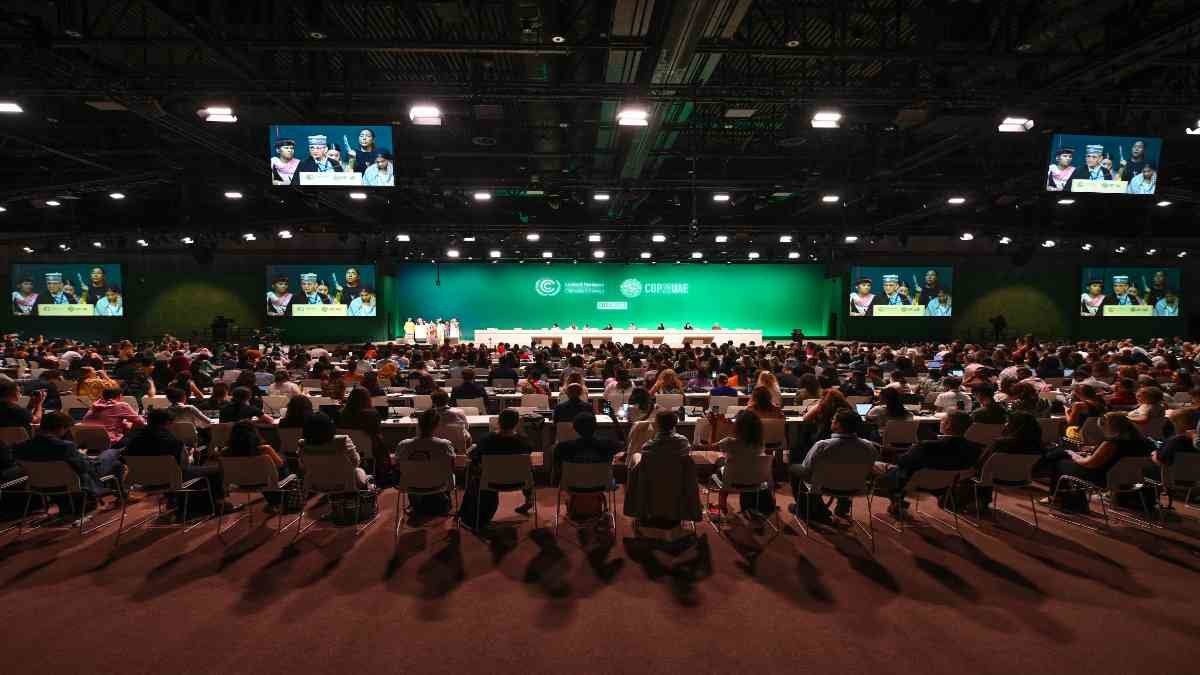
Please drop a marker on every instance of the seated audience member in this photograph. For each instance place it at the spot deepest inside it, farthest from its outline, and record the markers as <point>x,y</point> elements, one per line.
<point>358,413</point>
<point>1150,407</point>
<point>723,388</point>
<point>1024,397</point>
<point>1086,404</point>
<point>116,416</point>
<point>320,437</point>
<point>506,441</point>
<point>832,402</point>
<point>619,389</point>
<point>297,412</point>
<point>662,487</point>
<point>156,439</point>
<point>282,386</point>
<point>810,388</point>
<point>245,441</point>
<point>1021,435</point>
<point>586,449</point>
<point>575,404</point>
<point>891,407</point>
<point>987,410</point>
<point>469,389</point>
<point>762,405</point>
<point>766,379</point>
<point>1124,393</point>
<point>842,447</point>
<point>1121,439</point>
<point>370,382</point>
<point>92,383</point>
<point>641,407</point>
<point>12,414</point>
<point>667,383</point>
<point>746,444</point>
<point>1185,440</point>
<point>182,411</point>
<point>48,381</point>
<point>219,398</point>
<point>183,381</point>
<point>505,370</point>
<point>952,398</point>
<point>242,407</point>
<point>449,415</point>
<point>425,447</point>
<point>950,452</point>
<point>52,443</point>
<point>856,385</point>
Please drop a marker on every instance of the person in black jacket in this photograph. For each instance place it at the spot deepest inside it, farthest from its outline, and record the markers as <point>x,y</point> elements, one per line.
<point>950,452</point>
<point>242,407</point>
<point>469,389</point>
<point>576,404</point>
<point>52,444</point>
<point>156,439</point>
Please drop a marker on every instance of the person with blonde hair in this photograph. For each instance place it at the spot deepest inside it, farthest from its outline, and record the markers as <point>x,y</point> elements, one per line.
<point>766,379</point>
<point>667,383</point>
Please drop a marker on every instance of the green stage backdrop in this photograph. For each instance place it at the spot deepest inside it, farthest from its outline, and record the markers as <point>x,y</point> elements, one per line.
<point>771,298</point>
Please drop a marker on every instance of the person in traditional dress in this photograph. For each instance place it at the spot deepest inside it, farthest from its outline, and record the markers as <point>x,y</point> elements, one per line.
<point>862,299</point>
<point>284,163</point>
<point>279,297</point>
<point>1091,301</point>
<point>24,299</point>
<point>312,291</point>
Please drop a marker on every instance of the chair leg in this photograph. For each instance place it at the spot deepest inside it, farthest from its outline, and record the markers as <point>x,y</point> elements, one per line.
<point>557,508</point>
<point>399,511</point>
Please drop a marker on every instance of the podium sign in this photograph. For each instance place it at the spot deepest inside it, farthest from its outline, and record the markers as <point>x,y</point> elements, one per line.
<point>66,310</point>
<point>899,310</point>
<point>331,178</point>
<point>1112,187</point>
<point>1128,310</point>
<point>318,310</point>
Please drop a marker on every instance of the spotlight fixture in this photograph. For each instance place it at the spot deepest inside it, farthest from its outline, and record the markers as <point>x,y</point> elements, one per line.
<point>470,239</point>
<point>53,202</point>
<point>547,254</point>
<point>3,209</point>
<point>64,247</point>
<point>633,117</point>
<point>601,197</point>
<point>1190,132</point>
<point>27,249</point>
<point>753,255</point>
<point>966,236</point>
<point>1005,240</point>
<point>1181,254</point>
<point>646,255</point>
<point>533,236</point>
<point>403,238</point>
<point>98,244</point>
<point>831,199</point>
<point>558,39</point>
<point>1066,202</point>
<point>217,114</point>
<point>116,195</point>
<point>425,114</point>
<point>11,107</point>
<point>452,253</point>
<point>1086,246</point>
<point>1120,249</point>
<point>284,234</point>
<point>721,238</point>
<point>696,255</point>
<point>598,253</point>
<point>793,255</point>
<point>483,196</point>
<point>250,236</point>
<point>851,238</point>
<point>593,238</point>
<point>187,241</point>
<point>785,238</point>
<point>1049,243</point>
<point>956,200</point>
<point>720,196</point>
<point>142,242</point>
<point>233,194</point>
<point>493,253</point>
<point>1164,203</point>
<point>1151,251</point>
<point>658,238</point>
<point>358,196</point>
<point>827,119</point>
<point>1015,125</point>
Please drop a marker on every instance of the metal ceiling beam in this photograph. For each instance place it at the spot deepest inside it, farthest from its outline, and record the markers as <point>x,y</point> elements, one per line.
<point>87,186</point>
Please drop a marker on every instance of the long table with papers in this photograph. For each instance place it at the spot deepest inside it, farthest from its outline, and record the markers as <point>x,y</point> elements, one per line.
<point>562,336</point>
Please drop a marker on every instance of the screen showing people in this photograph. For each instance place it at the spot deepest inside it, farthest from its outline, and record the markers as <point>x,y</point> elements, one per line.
<point>1104,164</point>
<point>901,291</point>
<point>1129,291</point>
<point>321,290</point>
<point>332,155</point>
<point>72,290</point>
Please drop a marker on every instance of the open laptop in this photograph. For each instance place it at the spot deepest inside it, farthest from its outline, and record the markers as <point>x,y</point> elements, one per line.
<point>862,408</point>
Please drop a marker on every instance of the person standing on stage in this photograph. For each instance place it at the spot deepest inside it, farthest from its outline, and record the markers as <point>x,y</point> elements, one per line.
<point>312,293</point>
<point>24,299</point>
<point>1091,302</point>
<point>283,165</point>
<point>431,334</point>
<point>893,293</point>
<point>279,297</point>
<point>862,299</point>
<point>454,331</point>
<point>410,331</point>
<point>441,331</point>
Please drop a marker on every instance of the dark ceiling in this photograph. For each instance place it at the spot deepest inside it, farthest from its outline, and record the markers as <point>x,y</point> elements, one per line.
<point>110,90</point>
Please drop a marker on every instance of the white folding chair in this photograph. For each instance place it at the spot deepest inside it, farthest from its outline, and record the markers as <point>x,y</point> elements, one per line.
<point>365,446</point>
<point>422,401</point>
<point>900,433</point>
<point>250,476</point>
<point>58,479</point>
<point>588,478</point>
<point>161,475</point>
<point>1006,470</point>
<point>837,479</point>
<point>218,438</point>
<point>535,401</point>
<point>275,404</point>
<point>1183,473</point>
<point>289,441</point>
<point>318,401</point>
<point>722,404</point>
<point>91,439</point>
<point>983,434</point>
<point>456,433</point>
<point>335,477</point>
<point>744,475</point>
<point>507,473</point>
<point>1127,475</point>
<point>476,403</point>
<point>668,401</point>
<point>420,478</point>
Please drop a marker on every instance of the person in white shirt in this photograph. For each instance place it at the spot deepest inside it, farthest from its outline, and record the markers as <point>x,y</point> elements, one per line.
<point>67,358</point>
<point>953,398</point>
<point>364,304</point>
<point>282,386</point>
<point>185,412</point>
<point>425,446</point>
<point>112,304</point>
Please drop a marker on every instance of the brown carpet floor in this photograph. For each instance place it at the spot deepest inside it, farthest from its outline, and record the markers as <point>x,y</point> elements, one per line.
<point>998,600</point>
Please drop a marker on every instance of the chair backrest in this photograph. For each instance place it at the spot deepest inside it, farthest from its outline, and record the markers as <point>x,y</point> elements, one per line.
<point>1008,469</point>
<point>186,432</point>
<point>275,403</point>
<point>858,400</point>
<point>11,436</point>
<point>1091,432</point>
<point>748,472</point>
<point>983,434</point>
<point>90,438</point>
<point>330,473</point>
<point>733,410</point>
<point>900,432</point>
<point>289,440</point>
<point>476,403</point>
<point>153,472</point>
<point>589,476</point>
<point>1155,428</point>
<point>1128,473</point>
<point>248,474</point>
<point>564,431</point>
<point>1185,471</point>
<point>379,401</point>
<point>422,401</point>
<point>502,473</point>
<point>149,402</point>
<point>1048,395</point>
<point>456,434</point>
<point>504,384</point>
<point>842,478</point>
<point>668,401</point>
<point>774,433</point>
<point>931,480</point>
<point>219,434</point>
<point>1051,430</point>
<point>50,477</point>
<point>722,403</point>
<point>361,439</point>
<point>427,475</point>
<point>536,401</point>
<point>469,410</point>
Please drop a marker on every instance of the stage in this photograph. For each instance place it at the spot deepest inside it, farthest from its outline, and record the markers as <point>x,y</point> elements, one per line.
<point>673,338</point>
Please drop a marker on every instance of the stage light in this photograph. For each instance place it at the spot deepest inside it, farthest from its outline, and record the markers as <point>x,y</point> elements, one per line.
<point>1066,202</point>
<point>1015,125</point>
<point>233,194</point>
<point>827,119</point>
<point>425,114</point>
<point>1005,240</point>
<point>217,114</point>
<point>470,239</point>
<point>593,238</point>
<point>1164,203</point>
<point>601,197</point>
<point>1181,254</point>
<point>452,253</point>
<point>1087,246</point>
<point>966,236</point>
<point>558,39</point>
<point>98,244</point>
<point>64,247</point>
<point>753,255</point>
<point>493,253</point>
<point>1120,249</point>
<point>598,253</point>
<point>830,199</point>
<point>10,107</point>
<point>188,241</point>
<point>633,117</point>
<point>793,255</point>
<point>658,238</point>
<point>547,254</point>
<point>721,238</point>
<point>3,209</point>
<point>142,242</point>
<point>1151,251</point>
<point>646,255</point>
<point>358,196</point>
<point>696,255</point>
<point>956,200</point>
<point>1049,243</point>
<point>785,238</point>
<point>27,249</point>
<point>250,236</point>
<point>533,236</point>
<point>851,238</point>
<point>53,202</point>
<point>284,234</point>
<point>1196,131</point>
<point>403,238</point>
<point>483,196</point>
<point>720,196</point>
<point>116,195</point>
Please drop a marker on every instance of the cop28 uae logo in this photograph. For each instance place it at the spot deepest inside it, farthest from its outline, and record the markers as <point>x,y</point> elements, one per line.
<point>547,287</point>
<point>631,288</point>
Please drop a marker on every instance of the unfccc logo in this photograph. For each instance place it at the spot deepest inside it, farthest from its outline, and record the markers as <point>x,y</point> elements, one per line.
<point>631,288</point>
<point>547,287</point>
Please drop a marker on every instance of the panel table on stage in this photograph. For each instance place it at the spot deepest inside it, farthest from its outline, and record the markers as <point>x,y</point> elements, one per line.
<point>673,338</point>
